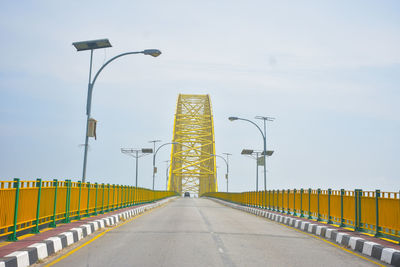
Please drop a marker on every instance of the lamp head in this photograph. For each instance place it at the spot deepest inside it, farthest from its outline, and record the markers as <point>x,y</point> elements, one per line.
<point>152,52</point>
<point>92,44</point>
<point>247,151</point>
<point>233,118</point>
<point>147,150</point>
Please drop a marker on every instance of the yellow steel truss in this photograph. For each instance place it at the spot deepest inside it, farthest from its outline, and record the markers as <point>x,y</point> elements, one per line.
<point>193,166</point>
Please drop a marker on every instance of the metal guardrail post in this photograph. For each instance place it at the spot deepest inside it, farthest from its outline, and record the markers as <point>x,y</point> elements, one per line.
<point>35,230</point>
<point>309,203</point>
<point>108,198</point>
<point>329,206</point>
<point>16,185</point>
<point>273,200</point>
<point>134,195</point>
<point>88,197</point>
<point>118,188</point>
<point>294,202</point>
<point>55,184</point>
<point>131,197</point>
<point>288,203</point>
<point>283,199</point>
<point>355,210</point>
<point>277,201</point>
<point>264,199</point>
<point>377,227</point>
<point>301,203</point>
<point>79,200</point>
<point>125,196</point>
<point>102,199</point>
<point>113,199</point>
<point>318,214</point>
<point>341,208</point>
<point>96,185</point>
<point>67,201</point>
<point>360,193</point>
<point>122,196</point>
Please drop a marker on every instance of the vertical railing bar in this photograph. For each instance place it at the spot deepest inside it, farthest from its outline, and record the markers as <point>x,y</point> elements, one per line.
<point>294,202</point>
<point>102,199</point>
<point>96,185</point>
<point>355,209</point>
<point>301,203</point>
<point>16,185</point>
<point>35,230</point>
<point>88,197</point>
<point>341,208</point>
<point>377,227</point>
<point>329,206</point>
<point>309,203</point>
<point>79,200</point>
<point>318,214</point>
<point>108,198</point>
<point>55,184</point>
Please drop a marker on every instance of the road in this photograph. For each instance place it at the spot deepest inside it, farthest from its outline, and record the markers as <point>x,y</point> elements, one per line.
<point>201,232</point>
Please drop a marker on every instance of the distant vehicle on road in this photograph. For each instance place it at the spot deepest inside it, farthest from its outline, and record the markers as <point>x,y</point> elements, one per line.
<point>187,194</point>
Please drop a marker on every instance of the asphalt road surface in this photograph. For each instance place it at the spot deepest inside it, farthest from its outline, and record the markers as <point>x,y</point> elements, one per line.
<point>201,232</point>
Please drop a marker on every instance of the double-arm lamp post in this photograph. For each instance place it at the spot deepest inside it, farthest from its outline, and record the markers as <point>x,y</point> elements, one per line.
<point>136,153</point>
<point>264,136</point>
<point>250,153</point>
<point>92,45</point>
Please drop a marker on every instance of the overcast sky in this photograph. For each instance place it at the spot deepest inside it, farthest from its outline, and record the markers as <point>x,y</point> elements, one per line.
<point>329,71</point>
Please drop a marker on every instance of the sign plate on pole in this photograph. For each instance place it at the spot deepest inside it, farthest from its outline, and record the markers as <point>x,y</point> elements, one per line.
<point>260,161</point>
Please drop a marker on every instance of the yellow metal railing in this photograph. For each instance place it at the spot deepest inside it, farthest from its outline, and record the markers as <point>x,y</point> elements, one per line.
<point>372,212</point>
<point>31,205</point>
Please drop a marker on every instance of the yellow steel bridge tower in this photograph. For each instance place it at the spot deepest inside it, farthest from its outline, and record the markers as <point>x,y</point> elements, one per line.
<point>193,166</point>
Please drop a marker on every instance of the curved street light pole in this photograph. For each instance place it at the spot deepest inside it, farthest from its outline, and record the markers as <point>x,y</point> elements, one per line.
<point>264,136</point>
<point>151,52</point>
<point>265,146</point>
<point>227,169</point>
<point>154,158</point>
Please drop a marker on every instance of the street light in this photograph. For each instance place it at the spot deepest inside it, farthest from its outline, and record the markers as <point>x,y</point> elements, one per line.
<point>166,174</point>
<point>155,154</point>
<point>136,153</point>
<point>154,150</point>
<point>227,167</point>
<point>250,153</point>
<point>264,136</point>
<point>227,160</point>
<point>92,45</point>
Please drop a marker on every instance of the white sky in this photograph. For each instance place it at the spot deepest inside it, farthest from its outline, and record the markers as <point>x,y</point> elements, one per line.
<point>329,71</point>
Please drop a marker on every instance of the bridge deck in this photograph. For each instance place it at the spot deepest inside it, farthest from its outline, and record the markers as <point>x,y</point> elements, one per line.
<point>200,232</point>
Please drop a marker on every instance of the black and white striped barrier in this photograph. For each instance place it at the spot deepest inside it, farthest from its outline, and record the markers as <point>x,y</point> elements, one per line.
<point>49,246</point>
<point>372,249</point>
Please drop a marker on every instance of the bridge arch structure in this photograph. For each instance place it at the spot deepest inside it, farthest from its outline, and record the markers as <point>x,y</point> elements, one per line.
<point>193,166</point>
